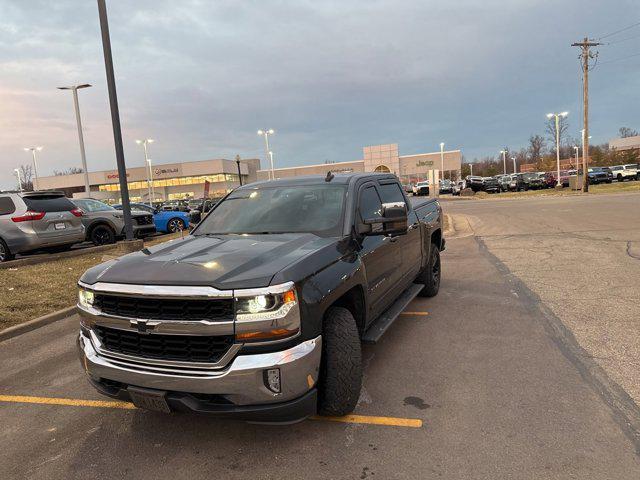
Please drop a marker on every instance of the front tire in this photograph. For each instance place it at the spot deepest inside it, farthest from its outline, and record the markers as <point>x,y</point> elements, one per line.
<point>341,365</point>
<point>102,235</point>
<point>430,276</point>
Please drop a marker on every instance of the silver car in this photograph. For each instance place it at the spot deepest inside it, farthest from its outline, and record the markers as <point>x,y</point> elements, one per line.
<point>38,220</point>
<point>105,224</point>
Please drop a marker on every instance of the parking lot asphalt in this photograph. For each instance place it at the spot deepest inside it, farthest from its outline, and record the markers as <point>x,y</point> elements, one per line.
<point>581,256</point>
<point>483,388</point>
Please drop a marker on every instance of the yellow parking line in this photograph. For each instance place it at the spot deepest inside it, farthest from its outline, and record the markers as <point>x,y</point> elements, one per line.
<point>71,402</point>
<point>414,313</point>
<point>388,421</point>
<point>75,402</point>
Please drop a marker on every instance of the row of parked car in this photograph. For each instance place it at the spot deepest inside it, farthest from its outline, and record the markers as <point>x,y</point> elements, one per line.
<point>52,222</point>
<point>528,181</point>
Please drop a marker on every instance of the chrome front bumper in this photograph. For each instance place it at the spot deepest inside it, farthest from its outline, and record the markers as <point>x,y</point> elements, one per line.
<point>241,381</point>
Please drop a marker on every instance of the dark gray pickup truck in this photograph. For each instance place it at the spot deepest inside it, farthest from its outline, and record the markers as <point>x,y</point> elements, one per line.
<point>259,314</point>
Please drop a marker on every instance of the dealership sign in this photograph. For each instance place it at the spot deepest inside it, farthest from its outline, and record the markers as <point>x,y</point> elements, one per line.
<point>424,163</point>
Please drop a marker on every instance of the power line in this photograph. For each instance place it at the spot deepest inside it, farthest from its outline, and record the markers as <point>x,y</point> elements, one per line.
<point>619,59</point>
<point>619,31</point>
<point>623,40</point>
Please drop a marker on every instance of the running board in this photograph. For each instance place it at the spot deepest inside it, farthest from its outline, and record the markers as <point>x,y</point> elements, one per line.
<point>384,321</point>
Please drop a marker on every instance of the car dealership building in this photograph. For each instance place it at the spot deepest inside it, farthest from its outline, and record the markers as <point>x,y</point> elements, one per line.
<point>172,181</point>
<point>382,158</point>
<point>214,178</point>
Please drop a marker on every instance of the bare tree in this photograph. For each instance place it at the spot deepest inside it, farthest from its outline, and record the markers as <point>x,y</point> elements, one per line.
<point>69,171</point>
<point>26,177</point>
<point>563,126</point>
<point>536,146</point>
<point>626,132</point>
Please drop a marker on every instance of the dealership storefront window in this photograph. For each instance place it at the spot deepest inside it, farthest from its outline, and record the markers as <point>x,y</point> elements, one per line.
<point>171,182</point>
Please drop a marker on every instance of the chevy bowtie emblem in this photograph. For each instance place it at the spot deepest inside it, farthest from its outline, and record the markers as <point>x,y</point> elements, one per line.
<point>143,326</point>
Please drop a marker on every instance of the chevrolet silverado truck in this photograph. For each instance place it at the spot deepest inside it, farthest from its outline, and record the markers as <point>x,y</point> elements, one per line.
<point>259,314</point>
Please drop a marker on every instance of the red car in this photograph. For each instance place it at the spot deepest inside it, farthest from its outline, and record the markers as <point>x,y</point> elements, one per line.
<point>548,179</point>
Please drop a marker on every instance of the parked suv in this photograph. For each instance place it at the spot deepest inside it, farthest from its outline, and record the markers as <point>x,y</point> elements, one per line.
<point>600,175</point>
<point>421,188</point>
<point>475,183</point>
<point>37,220</point>
<point>625,172</point>
<point>104,224</point>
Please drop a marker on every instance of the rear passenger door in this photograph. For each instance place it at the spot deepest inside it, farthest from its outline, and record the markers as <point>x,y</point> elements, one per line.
<point>379,253</point>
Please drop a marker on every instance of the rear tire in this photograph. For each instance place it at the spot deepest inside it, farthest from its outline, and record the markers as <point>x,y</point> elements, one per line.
<point>5,253</point>
<point>341,365</point>
<point>102,235</point>
<point>430,276</point>
<point>175,225</point>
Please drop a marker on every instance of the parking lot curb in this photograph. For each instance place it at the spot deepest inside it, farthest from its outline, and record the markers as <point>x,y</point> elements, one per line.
<point>122,248</point>
<point>25,327</point>
<point>451,231</point>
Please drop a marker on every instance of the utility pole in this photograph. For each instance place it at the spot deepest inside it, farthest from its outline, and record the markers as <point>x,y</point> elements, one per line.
<point>238,164</point>
<point>585,55</point>
<point>115,119</point>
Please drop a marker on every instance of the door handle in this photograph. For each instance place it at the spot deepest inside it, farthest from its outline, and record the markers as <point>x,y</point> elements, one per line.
<point>391,239</point>
<point>413,225</point>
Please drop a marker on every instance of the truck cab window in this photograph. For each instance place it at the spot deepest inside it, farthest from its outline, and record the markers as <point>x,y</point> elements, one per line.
<point>370,204</point>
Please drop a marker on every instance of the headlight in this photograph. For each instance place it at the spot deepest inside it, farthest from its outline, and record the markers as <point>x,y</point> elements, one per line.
<point>267,302</point>
<point>267,314</point>
<point>85,298</point>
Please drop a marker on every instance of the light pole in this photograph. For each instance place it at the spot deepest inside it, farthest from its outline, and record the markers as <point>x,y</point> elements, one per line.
<point>557,117</point>
<point>504,161</point>
<point>441,162</point>
<point>471,167</point>
<point>33,151</point>
<point>273,173</point>
<point>514,164</point>
<point>239,173</point>
<point>147,161</point>
<point>74,89</point>
<point>269,155</point>
<point>17,170</point>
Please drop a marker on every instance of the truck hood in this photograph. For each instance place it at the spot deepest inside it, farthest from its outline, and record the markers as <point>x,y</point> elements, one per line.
<point>222,261</point>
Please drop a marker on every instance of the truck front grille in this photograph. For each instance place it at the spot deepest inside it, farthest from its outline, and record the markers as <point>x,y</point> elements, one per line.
<point>144,220</point>
<point>186,348</point>
<point>165,308</point>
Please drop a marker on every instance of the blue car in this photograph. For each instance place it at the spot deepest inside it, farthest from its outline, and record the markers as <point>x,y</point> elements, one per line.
<point>166,221</point>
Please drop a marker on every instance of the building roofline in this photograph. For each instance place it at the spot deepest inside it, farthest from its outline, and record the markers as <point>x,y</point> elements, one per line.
<point>314,165</point>
<point>429,153</point>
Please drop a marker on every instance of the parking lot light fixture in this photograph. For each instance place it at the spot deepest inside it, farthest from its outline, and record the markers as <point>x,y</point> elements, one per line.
<point>83,157</point>
<point>147,162</point>
<point>33,151</point>
<point>441,162</point>
<point>269,154</point>
<point>557,120</point>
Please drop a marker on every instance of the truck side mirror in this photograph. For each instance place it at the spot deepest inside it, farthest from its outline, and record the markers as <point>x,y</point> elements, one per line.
<point>392,222</point>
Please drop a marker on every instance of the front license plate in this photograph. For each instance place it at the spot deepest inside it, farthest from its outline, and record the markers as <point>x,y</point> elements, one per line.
<point>149,399</point>
<point>60,226</point>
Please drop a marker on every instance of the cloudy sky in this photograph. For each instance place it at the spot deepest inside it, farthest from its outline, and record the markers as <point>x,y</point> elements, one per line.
<point>201,77</point>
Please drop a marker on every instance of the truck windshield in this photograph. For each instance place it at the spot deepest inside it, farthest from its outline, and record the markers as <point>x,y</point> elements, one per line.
<point>283,209</point>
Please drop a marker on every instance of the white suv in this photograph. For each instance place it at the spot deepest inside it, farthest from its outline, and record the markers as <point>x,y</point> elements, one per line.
<point>625,172</point>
